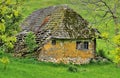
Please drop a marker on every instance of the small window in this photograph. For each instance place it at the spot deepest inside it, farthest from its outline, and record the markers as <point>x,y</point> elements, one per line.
<point>85,45</point>
<point>53,42</point>
<point>81,45</point>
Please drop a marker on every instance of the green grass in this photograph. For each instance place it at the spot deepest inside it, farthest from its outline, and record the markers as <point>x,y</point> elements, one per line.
<point>29,68</point>
<point>32,5</point>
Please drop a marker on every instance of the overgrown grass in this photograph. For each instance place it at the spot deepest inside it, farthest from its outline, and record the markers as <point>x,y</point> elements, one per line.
<point>30,68</point>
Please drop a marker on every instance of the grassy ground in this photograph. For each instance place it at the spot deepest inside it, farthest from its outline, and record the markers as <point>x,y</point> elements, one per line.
<point>29,68</point>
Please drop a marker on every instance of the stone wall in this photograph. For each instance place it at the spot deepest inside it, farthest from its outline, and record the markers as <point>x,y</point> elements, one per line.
<point>66,52</point>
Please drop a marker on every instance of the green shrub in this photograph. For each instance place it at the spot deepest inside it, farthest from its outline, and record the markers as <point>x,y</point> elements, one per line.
<point>72,68</point>
<point>30,42</point>
<point>101,53</point>
<point>4,61</point>
<point>1,51</point>
<point>116,51</point>
<point>10,18</point>
<point>3,58</point>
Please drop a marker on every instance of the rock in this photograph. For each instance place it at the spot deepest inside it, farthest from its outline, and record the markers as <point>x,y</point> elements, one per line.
<point>67,60</point>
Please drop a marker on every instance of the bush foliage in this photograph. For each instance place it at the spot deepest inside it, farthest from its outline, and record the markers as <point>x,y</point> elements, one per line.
<point>72,68</point>
<point>30,42</point>
<point>10,16</point>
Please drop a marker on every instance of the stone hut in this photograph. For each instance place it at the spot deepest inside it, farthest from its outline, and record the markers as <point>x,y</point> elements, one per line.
<point>62,35</point>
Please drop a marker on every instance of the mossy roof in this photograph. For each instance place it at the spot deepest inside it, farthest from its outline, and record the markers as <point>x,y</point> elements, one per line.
<point>60,21</point>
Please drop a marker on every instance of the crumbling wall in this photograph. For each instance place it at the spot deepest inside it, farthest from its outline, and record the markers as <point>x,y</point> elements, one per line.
<point>66,52</point>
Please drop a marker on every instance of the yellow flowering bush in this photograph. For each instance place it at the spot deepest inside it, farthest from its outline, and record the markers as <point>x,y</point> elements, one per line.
<point>10,17</point>
<point>117,39</point>
<point>16,13</point>
<point>3,9</point>
<point>5,61</point>
<point>2,27</point>
<point>116,52</point>
<point>8,1</point>
<point>104,35</point>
